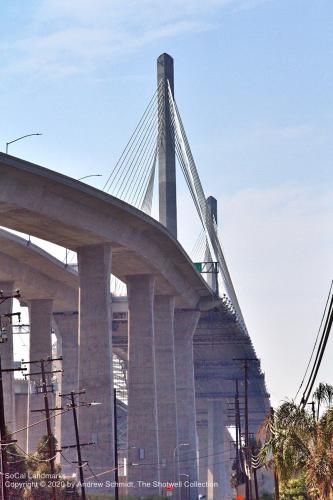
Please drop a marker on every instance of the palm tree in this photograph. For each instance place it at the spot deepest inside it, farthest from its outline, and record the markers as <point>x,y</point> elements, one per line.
<point>319,396</point>
<point>319,467</point>
<point>293,443</point>
<point>285,440</point>
<point>323,393</point>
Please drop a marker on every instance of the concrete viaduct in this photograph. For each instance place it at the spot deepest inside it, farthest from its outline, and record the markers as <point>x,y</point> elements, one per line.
<point>45,281</point>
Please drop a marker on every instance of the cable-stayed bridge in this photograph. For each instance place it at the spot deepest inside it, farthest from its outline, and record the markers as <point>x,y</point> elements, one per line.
<point>157,141</point>
<point>179,332</point>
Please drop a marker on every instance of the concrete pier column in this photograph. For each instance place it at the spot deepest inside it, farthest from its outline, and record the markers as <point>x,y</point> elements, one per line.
<point>216,448</point>
<point>95,357</point>
<point>7,357</point>
<point>67,323</point>
<point>143,453</point>
<point>203,458</point>
<point>166,386</point>
<point>40,312</point>
<point>184,327</point>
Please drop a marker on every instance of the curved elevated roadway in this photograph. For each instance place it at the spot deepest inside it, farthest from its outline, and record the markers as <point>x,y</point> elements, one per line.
<point>67,212</point>
<point>144,254</point>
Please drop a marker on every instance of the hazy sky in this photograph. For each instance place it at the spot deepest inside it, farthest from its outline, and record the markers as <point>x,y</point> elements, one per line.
<point>254,85</point>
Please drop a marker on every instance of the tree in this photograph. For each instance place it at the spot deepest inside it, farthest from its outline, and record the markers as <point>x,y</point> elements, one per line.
<point>294,489</point>
<point>40,470</point>
<point>16,464</point>
<point>323,393</point>
<point>295,445</point>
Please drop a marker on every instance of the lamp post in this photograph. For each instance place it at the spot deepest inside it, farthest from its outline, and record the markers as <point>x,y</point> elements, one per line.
<point>188,491</point>
<point>176,458</point>
<point>79,179</point>
<point>90,175</point>
<point>20,138</point>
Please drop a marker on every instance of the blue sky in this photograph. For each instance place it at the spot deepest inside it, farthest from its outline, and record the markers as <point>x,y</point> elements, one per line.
<point>254,87</point>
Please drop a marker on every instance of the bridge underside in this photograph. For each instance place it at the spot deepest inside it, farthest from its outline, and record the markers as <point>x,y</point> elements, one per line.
<point>180,374</point>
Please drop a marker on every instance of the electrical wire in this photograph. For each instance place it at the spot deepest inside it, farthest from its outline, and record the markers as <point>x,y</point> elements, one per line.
<point>316,341</point>
<point>320,354</point>
<point>36,423</point>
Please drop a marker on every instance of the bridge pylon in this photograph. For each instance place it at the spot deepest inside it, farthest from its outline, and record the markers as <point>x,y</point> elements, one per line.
<point>166,146</point>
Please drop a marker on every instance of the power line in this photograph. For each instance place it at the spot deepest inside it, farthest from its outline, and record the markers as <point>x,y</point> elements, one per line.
<point>316,341</point>
<point>320,351</point>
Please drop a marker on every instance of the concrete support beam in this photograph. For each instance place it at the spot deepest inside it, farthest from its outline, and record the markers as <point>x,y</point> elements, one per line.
<point>95,356</point>
<point>166,386</point>
<point>21,404</point>
<point>166,151</point>
<point>40,312</point>
<point>216,448</point>
<point>67,324</point>
<point>184,327</point>
<point>143,453</point>
<point>203,459</point>
<point>7,357</point>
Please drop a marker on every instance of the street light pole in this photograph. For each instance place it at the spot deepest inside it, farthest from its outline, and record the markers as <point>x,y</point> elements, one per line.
<point>90,175</point>
<point>19,139</point>
<point>116,474</point>
<point>80,179</point>
<point>176,459</point>
<point>188,491</point>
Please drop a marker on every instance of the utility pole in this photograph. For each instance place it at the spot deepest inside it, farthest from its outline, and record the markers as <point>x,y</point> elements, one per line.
<point>78,446</point>
<point>3,297</point>
<point>9,316</point>
<point>248,473</point>
<point>73,405</point>
<point>276,477</point>
<point>3,431</point>
<point>238,435</point>
<point>248,488</point>
<point>116,474</point>
<point>255,479</point>
<point>3,339</point>
<point>3,438</point>
<point>46,409</point>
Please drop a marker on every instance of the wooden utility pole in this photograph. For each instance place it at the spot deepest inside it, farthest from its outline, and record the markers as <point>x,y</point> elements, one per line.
<point>276,477</point>
<point>73,405</point>
<point>46,409</point>
<point>236,425</point>
<point>3,432</point>
<point>248,488</point>
<point>248,473</point>
<point>78,446</point>
<point>256,489</point>
<point>3,439</point>
<point>48,424</point>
